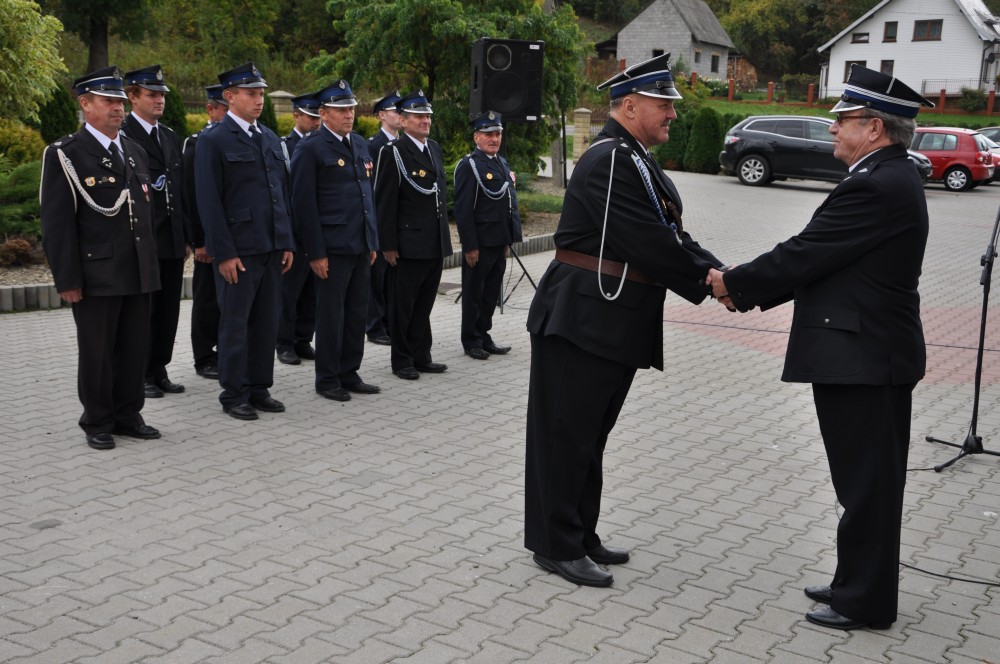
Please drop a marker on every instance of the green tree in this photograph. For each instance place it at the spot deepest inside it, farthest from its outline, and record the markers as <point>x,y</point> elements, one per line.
<point>704,143</point>
<point>267,116</point>
<point>94,20</point>
<point>29,58</point>
<point>174,114</point>
<point>59,115</point>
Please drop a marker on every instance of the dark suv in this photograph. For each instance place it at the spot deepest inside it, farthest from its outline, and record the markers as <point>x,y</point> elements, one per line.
<point>764,148</point>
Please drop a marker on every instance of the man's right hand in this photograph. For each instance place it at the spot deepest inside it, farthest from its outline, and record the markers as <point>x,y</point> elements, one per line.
<point>72,296</point>
<point>321,267</point>
<point>201,256</point>
<point>472,257</point>
<point>391,257</point>
<point>230,269</point>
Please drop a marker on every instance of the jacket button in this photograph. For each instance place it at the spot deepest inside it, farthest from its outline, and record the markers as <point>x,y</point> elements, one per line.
<point>826,320</point>
<point>90,255</point>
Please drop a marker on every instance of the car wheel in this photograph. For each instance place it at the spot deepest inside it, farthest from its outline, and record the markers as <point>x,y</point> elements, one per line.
<point>753,170</point>
<point>957,179</point>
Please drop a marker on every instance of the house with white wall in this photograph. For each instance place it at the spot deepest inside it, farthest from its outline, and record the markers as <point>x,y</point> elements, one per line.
<point>931,45</point>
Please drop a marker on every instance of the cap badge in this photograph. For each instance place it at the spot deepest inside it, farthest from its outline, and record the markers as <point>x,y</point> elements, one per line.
<point>116,74</point>
<point>342,85</point>
<point>253,70</point>
<point>492,116</point>
<point>159,74</point>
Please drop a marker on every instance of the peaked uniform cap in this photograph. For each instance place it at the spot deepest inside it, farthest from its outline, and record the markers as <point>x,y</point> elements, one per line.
<point>307,103</point>
<point>105,82</point>
<point>150,78</point>
<point>337,95</point>
<point>245,76</point>
<point>867,88</point>
<point>415,102</point>
<point>651,78</point>
<point>386,103</point>
<point>487,122</point>
<point>214,93</point>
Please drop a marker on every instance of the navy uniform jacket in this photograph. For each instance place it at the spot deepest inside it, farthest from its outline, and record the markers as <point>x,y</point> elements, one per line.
<point>568,302</point>
<point>173,229</point>
<point>483,221</point>
<point>242,194</point>
<point>333,203</point>
<point>190,201</point>
<point>291,141</point>
<point>412,223</point>
<point>105,256</point>
<point>853,272</point>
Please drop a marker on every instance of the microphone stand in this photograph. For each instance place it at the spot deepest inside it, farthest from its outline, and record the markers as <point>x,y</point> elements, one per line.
<point>973,444</point>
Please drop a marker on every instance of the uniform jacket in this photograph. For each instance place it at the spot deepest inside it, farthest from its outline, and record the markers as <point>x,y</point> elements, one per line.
<point>412,223</point>
<point>243,193</point>
<point>173,229</point>
<point>332,197</point>
<point>291,141</point>
<point>853,273</point>
<point>190,201</point>
<point>484,221</point>
<point>105,256</point>
<point>569,302</point>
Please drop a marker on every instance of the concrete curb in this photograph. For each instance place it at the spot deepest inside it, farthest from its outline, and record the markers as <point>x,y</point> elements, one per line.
<point>28,297</point>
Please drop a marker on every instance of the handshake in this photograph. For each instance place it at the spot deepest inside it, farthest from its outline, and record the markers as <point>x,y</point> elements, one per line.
<point>717,287</point>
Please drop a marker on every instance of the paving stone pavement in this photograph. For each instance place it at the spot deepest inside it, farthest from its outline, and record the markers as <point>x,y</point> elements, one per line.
<point>388,528</point>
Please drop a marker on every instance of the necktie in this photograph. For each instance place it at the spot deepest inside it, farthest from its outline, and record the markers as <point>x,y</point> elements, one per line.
<point>255,136</point>
<point>347,144</point>
<point>116,157</point>
<point>154,135</point>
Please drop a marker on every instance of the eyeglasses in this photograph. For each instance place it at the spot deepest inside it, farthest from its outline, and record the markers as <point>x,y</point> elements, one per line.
<point>841,119</point>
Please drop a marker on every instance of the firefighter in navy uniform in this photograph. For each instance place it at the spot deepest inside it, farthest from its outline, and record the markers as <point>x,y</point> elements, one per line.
<point>97,230</point>
<point>297,322</point>
<point>204,305</point>
<point>597,317</point>
<point>488,223</point>
<point>146,90</point>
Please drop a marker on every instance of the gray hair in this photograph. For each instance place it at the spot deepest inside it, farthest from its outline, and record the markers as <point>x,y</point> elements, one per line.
<point>898,129</point>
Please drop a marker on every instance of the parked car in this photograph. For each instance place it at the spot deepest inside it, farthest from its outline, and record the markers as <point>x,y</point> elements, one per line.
<point>995,152</point>
<point>764,148</point>
<point>992,133</point>
<point>961,157</point>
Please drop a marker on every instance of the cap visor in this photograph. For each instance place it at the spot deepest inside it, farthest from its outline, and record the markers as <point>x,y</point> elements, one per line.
<point>117,94</point>
<point>846,106</point>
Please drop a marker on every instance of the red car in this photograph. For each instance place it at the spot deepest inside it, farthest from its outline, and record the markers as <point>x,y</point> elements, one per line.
<point>961,158</point>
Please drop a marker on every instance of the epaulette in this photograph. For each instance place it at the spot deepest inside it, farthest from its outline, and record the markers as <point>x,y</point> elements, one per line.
<point>65,140</point>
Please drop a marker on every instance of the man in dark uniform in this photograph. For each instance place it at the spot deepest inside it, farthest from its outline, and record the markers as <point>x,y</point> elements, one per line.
<point>243,201</point>
<point>334,215</point>
<point>146,90</point>
<point>597,316</point>
<point>488,222</point>
<point>411,204</point>
<point>377,327</point>
<point>97,230</point>
<point>856,335</point>
<point>297,322</point>
<point>204,304</point>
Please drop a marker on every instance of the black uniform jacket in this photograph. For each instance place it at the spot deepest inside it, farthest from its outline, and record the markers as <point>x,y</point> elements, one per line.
<point>332,199</point>
<point>173,228</point>
<point>243,193</point>
<point>484,221</point>
<point>190,200</point>
<point>105,256</point>
<point>410,222</point>
<point>853,273</point>
<point>291,141</point>
<point>569,303</point>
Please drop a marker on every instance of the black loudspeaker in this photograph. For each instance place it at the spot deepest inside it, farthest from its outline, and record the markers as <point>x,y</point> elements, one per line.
<point>507,78</point>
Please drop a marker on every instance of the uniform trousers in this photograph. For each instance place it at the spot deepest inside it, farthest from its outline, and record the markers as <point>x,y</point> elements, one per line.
<point>866,432</point>
<point>481,286</point>
<point>341,307</point>
<point>378,310</point>
<point>413,285</point>
<point>248,328</point>
<point>204,315</point>
<point>574,398</point>
<point>112,335</point>
<point>166,309</point>
<point>297,321</point>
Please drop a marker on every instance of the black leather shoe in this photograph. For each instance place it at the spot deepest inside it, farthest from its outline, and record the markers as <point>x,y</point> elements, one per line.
<point>381,340</point>
<point>363,388</point>
<point>827,617</point>
<point>101,441</point>
<point>142,431</point>
<point>305,351</point>
<point>407,373</point>
<point>210,370</point>
<point>493,349</point>
<point>241,411</point>
<point>152,391</point>
<point>477,353</point>
<point>169,386</point>
<point>431,367</point>
<point>819,594</point>
<point>582,571</point>
<point>608,555</point>
<point>335,393</point>
<point>288,356</point>
<point>268,405</point>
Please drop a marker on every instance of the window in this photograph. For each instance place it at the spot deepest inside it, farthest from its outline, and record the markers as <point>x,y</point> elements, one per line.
<point>697,57</point>
<point>886,67</point>
<point>859,38</point>
<point>847,67</point>
<point>657,52</point>
<point>819,131</point>
<point>715,64</point>
<point>890,31</point>
<point>762,125</point>
<point>790,128</point>
<point>935,141</point>
<point>927,30</point>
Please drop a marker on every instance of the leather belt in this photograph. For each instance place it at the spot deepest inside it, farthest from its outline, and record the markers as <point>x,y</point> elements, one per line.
<point>610,268</point>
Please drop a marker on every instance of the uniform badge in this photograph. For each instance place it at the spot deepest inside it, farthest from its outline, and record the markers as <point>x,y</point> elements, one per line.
<point>131,161</point>
<point>340,162</point>
<point>111,179</point>
<point>90,182</point>
<point>489,176</point>
<point>105,162</point>
<point>422,173</point>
